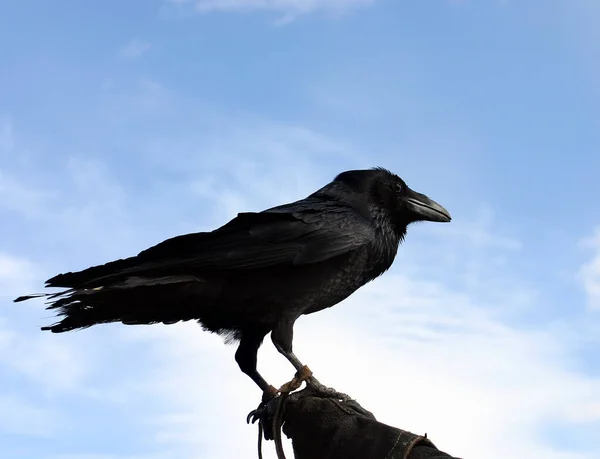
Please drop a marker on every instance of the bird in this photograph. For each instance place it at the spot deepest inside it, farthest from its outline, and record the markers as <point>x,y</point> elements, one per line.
<point>259,272</point>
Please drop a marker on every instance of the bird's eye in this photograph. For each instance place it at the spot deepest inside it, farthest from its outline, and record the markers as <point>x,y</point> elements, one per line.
<point>398,187</point>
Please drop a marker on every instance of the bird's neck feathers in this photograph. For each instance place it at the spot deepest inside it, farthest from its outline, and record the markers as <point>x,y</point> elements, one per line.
<point>389,237</point>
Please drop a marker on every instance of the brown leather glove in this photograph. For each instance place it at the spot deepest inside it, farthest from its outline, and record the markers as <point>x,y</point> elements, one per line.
<point>326,428</point>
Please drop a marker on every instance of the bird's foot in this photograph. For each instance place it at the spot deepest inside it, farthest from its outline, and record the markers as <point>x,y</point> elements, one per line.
<point>264,414</point>
<point>264,411</point>
<point>271,398</point>
<point>304,374</point>
<point>269,395</point>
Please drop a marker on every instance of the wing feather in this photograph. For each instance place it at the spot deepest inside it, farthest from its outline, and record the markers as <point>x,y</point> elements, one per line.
<point>291,235</point>
<point>260,240</point>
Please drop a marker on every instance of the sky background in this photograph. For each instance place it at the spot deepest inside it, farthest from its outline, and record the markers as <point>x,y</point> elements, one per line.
<point>125,123</point>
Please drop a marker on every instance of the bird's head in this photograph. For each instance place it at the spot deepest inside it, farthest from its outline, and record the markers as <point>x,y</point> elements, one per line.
<point>389,195</point>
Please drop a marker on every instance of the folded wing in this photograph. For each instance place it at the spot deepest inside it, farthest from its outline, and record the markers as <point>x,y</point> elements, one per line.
<point>295,234</point>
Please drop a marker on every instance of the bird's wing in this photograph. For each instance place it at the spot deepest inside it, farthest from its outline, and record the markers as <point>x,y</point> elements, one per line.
<point>300,233</point>
<point>281,236</point>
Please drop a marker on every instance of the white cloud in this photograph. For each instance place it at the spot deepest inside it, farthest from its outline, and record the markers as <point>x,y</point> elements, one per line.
<point>18,196</point>
<point>41,359</point>
<point>290,8</point>
<point>27,355</point>
<point>240,170</point>
<point>590,272</point>
<point>134,49</point>
<point>16,274</point>
<point>19,192</point>
<point>20,417</point>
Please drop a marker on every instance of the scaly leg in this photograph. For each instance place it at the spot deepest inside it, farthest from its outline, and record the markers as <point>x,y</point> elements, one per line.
<point>246,357</point>
<point>282,337</point>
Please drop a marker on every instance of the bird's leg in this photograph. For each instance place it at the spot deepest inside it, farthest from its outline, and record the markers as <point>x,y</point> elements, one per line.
<point>246,357</point>
<point>282,337</point>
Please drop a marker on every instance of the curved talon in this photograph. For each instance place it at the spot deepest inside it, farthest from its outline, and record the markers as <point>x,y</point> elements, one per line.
<point>260,412</point>
<point>253,416</point>
<point>268,395</point>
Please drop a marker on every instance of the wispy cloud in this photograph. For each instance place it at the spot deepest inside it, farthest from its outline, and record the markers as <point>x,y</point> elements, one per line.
<point>289,8</point>
<point>31,354</point>
<point>15,273</point>
<point>17,196</point>
<point>29,359</point>
<point>215,167</point>
<point>134,49</point>
<point>24,418</point>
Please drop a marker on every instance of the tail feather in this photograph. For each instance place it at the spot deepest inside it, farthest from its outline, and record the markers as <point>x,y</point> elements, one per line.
<point>80,279</point>
<point>135,300</point>
<point>29,297</point>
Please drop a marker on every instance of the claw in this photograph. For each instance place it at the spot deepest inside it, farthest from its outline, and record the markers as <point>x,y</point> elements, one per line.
<point>264,415</point>
<point>254,415</point>
<point>264,409</point>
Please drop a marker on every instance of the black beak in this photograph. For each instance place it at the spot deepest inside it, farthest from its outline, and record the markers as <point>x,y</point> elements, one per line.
<point>426,209</point>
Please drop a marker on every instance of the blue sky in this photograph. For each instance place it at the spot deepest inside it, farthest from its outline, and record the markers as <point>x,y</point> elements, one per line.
<point>124,123</point>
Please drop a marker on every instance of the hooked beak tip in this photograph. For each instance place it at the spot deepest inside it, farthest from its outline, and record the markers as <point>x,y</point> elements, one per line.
<point>428,210</point>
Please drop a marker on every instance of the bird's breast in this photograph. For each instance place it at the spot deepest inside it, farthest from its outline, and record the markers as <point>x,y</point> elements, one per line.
<point>356,270</point>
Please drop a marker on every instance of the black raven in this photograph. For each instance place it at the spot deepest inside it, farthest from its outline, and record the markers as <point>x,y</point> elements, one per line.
<point>259,272</point>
